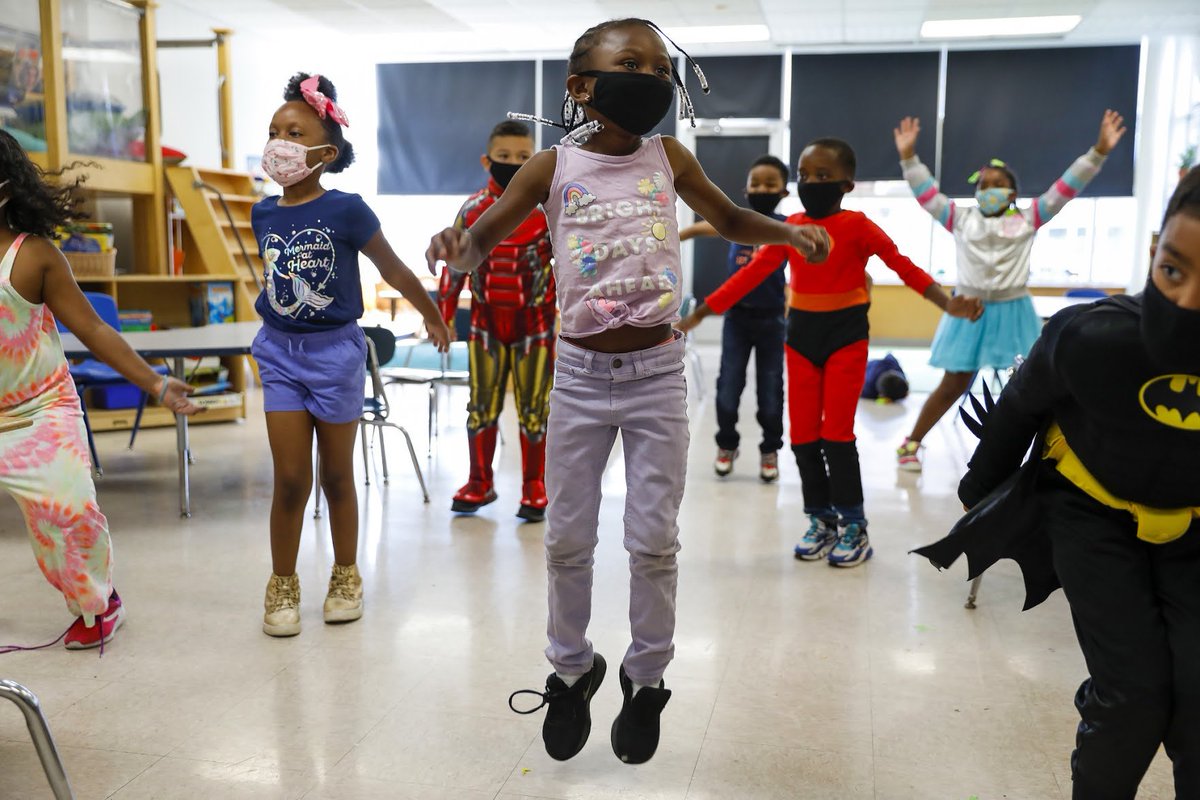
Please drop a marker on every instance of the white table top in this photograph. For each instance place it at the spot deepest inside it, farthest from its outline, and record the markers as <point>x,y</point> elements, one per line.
<point>228,339</point>
<point>1047,306</point>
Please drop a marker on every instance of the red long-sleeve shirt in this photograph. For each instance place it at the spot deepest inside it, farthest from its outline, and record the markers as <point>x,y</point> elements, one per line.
<point>838,282</point>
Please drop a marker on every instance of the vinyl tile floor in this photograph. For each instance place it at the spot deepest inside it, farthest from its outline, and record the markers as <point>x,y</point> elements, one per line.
<point>791,679</point>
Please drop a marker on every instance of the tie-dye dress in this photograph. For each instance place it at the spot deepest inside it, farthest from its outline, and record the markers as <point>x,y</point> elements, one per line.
<point>45,467</point>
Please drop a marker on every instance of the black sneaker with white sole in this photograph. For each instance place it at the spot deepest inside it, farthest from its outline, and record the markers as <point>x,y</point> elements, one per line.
<point>568,718</point>
<point>635,730</point>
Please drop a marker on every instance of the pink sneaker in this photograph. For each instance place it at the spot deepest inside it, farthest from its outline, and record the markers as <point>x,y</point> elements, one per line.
<point>908,456</point>
<point>81,637</point>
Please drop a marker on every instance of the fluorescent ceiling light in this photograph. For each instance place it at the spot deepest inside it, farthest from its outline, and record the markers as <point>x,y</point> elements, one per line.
<point>716,34</point>
<point>1001,26</point>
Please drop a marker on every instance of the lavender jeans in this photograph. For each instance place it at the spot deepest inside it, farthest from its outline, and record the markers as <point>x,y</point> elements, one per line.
<point>643,396</point>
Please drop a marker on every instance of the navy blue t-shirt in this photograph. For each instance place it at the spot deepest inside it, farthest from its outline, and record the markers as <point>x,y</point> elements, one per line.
<point>310,260</point>
<point>768,295</point>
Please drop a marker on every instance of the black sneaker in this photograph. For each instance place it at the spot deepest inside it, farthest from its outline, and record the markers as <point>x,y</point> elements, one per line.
<point>569,719</point>
<point>635,730</point>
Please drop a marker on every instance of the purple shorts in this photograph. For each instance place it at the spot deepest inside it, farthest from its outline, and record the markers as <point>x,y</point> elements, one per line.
<point>322,373</point>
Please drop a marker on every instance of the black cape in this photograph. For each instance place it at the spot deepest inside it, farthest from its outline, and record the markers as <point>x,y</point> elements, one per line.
<point>1007,523</point>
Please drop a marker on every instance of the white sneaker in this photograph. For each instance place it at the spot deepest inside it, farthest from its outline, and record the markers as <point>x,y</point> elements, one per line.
<point>768,467</point>
<point>282,606</point>
<point>724,463</point>
<point>344,603</point>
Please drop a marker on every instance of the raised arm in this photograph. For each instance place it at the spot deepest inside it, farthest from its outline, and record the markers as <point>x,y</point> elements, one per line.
<point>1080,173</point>
<point>741,225</point>
<point>918,279</point>
<point>919,178</point>
<point>464,250</point>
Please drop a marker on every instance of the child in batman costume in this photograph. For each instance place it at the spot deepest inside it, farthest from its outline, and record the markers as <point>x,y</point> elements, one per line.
<point>1106,507</point>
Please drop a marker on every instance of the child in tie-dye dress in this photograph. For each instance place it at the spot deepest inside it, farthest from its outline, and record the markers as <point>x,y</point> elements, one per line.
<point>45,466</point>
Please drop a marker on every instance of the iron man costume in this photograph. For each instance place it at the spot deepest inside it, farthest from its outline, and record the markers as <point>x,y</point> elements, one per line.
<point>512,331</point>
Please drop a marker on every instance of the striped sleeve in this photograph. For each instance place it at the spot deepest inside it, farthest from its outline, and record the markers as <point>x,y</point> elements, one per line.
<point>1072,182</point>
<point>926,190</point>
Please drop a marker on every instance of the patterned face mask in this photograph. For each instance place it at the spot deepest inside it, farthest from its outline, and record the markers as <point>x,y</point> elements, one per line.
<point>287,162</point>
<point>993,202</point>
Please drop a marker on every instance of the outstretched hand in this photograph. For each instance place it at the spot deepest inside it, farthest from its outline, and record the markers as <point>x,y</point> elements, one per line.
<point>906,136</point>
<point>812,241</point>
<point>447,246</point>
<point>1112,128</point>
<point>176,397</point>
<point>441,334</point>
<point>687,324</point>
<point>969,308</point>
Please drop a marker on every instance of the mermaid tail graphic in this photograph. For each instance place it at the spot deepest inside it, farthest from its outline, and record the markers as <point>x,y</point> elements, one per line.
<point>304,294</point>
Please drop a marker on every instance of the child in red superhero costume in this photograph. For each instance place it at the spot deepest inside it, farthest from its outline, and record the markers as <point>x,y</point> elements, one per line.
<point>512,331</point>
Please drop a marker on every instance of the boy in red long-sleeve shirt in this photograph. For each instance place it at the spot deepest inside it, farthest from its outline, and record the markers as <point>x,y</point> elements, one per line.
<point>827,346</point>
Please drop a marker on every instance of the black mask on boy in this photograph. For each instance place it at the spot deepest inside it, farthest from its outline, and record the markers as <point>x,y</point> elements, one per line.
<point>820,199</point>
<point>634,101</point>
<point>763,202</point>
<point>502,173</point>
<point>1171,334</point>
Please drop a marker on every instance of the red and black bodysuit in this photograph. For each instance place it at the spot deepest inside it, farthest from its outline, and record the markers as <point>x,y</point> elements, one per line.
<point>512,331</point>
<point>826,350</point>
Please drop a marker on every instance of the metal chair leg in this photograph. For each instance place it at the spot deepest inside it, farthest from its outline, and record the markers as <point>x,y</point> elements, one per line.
<point>974,592</point>
<point>87,426</point>
<point>412,454</point>
<point>432,418</point>
<point>137,420</point>
<point>317,483</point>
<point>39,732</point>
<point>362,434</point>
<point>383,457</point>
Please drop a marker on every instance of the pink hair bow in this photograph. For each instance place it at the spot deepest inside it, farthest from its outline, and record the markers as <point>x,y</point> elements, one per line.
<point>320,103</point>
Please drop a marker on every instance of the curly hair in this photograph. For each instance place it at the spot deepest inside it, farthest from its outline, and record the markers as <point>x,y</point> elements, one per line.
<point>334,134</point>
<point>776,163</point>
<point>35,204</point>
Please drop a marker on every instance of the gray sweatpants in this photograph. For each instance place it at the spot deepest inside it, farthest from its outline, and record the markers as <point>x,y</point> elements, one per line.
<point>642,395</point>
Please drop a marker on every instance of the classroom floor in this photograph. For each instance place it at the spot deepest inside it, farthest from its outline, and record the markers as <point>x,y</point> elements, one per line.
<point>791,679</point>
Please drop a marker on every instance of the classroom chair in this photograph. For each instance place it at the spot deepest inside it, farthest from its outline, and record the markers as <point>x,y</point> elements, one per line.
<point>90,372</point>
<point>686,307</point>
<point>39,732</point>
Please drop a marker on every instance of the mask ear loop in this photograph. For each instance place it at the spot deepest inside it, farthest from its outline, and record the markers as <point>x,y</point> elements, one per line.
<point>686,109</point>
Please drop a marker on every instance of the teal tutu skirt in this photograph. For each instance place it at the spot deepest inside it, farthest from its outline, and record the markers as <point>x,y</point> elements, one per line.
<point>1006,330</point>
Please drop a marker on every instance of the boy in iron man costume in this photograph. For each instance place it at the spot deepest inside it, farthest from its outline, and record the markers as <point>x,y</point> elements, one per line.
<point>512,331</point>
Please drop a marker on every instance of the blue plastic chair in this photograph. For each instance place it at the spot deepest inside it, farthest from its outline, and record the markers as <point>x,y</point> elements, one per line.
<point>90,372</point>
<point>1096,293</point>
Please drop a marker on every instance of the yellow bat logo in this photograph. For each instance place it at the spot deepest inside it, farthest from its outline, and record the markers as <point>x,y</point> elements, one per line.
<point>1173,400</point>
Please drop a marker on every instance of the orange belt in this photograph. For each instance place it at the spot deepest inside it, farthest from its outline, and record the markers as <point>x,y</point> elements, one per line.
<point>829,302</point>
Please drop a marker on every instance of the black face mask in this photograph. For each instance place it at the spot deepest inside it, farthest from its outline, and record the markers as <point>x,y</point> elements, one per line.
<point>820,199</point>
<point>502,173</point>
<point>1171,334</point>
<point>634,101</point>
<point>763,202</point>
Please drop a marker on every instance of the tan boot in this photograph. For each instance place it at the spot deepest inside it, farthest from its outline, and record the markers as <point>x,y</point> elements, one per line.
<point>344,603</point>
<point>282,604</point>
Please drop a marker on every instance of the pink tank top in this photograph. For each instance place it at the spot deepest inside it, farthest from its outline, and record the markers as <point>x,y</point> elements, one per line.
<point>615,238</point>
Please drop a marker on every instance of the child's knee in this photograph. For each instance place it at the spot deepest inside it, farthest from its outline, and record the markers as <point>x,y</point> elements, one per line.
<point>338,484</point>
<point>292,486</point>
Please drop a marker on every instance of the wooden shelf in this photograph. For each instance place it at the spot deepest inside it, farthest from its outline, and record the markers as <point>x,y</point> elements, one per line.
<point>112,175</point>
<point>162,279</point>
<point>244,224</point>
<point>234,198</point>
<point>121,419</point>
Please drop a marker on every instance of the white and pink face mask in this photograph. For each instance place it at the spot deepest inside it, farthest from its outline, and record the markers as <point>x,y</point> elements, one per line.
<point>287,162</point>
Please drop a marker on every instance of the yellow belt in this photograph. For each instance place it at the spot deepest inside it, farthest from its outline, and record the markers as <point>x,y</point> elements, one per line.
<point>1154,525</point>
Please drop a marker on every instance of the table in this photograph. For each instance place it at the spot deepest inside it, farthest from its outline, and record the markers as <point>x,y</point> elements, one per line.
<point>1047,306</point>
<point>228,339</point>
